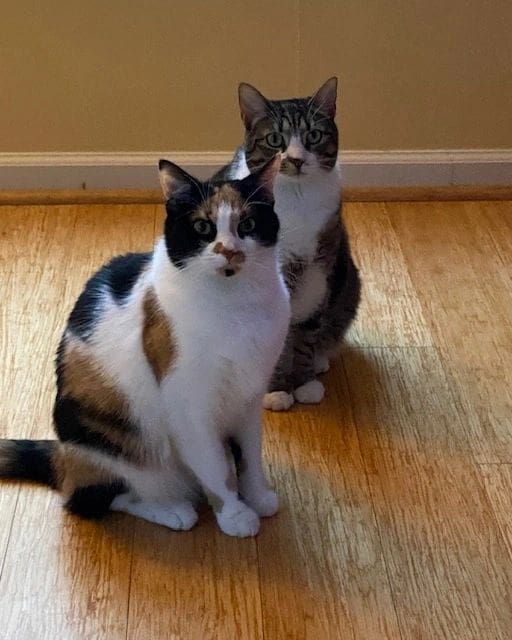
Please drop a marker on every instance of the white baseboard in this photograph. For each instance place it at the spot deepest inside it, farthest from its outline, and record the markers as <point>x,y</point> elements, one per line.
<point>138,170</point>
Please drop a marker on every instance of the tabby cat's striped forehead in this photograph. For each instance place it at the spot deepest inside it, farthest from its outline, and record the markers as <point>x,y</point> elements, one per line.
<point>294,115</point>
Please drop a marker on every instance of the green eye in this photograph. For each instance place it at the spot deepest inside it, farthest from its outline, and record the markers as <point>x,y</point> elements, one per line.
<point>274,139</point>
<point>202,227</point>
<point>247,225</point>
<point>314,136</point>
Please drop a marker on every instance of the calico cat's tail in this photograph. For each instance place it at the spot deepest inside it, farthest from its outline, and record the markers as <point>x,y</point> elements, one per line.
<point>29,460</point>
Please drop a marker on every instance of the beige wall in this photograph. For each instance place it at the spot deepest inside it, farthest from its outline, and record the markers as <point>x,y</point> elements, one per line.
<point>106,75</point>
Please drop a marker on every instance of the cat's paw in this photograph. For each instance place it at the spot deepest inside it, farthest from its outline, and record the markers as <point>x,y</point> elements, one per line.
<point>265,504</point>
<point>182,515</point>
<point>238,520</point>
<point>278,401</point>
<point>179,516</point>
<point>322,364</point>
<point>312,392</point>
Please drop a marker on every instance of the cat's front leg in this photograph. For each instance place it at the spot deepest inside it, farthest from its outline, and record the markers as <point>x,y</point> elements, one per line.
<point>308,390</point>
<point>247,450</point>
<point>203,451</point>
<point>279,396</point>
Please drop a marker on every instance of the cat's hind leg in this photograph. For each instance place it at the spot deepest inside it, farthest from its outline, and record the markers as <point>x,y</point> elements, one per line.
<point>179,516</point>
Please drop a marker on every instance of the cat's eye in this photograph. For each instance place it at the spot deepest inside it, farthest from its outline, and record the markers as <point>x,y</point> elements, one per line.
<point>247,225</point>
<point>274,139</point>
<point>314,136</point>
<point>202,227</point>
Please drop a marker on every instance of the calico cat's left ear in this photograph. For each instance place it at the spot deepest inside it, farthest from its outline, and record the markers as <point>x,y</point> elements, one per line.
<point>263,179</point>
<point>173,178</point>
<point>325,98</point>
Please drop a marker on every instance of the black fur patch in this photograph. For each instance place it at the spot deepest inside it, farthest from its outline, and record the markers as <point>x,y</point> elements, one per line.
<point>182,241</point>
<point>28,460</point>
<point>93,502</point>
<point>70,419</point>
<point>266,229</point>
<point>118,277</point>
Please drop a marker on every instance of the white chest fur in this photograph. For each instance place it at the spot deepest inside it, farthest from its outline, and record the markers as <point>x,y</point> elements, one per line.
<point>304,206</point>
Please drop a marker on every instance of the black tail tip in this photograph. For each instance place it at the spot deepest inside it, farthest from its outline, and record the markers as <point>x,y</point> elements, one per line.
<point>28,460</point>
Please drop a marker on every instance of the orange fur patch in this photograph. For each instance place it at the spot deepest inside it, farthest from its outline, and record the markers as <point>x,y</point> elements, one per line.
<point>157,337</point>
<point>85,382</point>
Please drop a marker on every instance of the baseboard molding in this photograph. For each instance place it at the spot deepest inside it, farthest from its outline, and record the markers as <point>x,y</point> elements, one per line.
<point>350,194</point>
<point>366,171</point>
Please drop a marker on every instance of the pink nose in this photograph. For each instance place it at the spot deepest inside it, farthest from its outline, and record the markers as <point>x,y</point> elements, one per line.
<point>231,255</point>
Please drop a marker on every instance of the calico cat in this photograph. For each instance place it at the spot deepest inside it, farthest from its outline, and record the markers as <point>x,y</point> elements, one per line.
<point>315,253</point>
<point>164,363</point>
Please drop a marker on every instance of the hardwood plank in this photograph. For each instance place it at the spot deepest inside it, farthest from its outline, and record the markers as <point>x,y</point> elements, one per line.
<point>498,222</point>
<point>8,500</point>
<point>498,484</point>
<point>443,550</point>
<point>61,577</point>
<point>466,299</point>
<point>390,313</point>
<point>197,584</point>
<point>321,566</point>
<point>64,577</point>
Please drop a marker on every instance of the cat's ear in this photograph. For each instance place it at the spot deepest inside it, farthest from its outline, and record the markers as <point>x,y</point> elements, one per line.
<point>263,179</point>
<point>253,104</point>
<point>173,178</point>
<point>325,98</point>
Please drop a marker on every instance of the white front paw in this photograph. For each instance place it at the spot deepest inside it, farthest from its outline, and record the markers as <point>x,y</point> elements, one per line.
<point>278,401</point>
<point>312,392</point>
<point>238,520</point>
<point>265,503</point>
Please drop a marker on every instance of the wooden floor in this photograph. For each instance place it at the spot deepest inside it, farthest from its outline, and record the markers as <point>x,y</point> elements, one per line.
<point>396,492</point>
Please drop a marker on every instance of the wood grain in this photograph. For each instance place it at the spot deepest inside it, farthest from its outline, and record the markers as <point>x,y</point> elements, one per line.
<point>321,564</point>
<point>197,584</point>
<point>390,313</point>
<point>498,484</point>
<point>466,298</point>
<point>443,550</point>
<point>389,525</point>
<point>64,578</point>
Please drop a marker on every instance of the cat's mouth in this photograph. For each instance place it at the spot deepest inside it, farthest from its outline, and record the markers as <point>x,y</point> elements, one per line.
<point>228,271</point>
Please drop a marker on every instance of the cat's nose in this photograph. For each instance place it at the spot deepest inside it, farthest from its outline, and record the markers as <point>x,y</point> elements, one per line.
<point>234,256</point>
<point>229,254</point>
<point>297,162</point>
